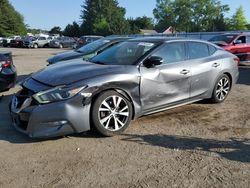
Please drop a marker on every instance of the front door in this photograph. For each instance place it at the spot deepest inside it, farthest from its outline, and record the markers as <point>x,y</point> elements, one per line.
<point>168,83</point>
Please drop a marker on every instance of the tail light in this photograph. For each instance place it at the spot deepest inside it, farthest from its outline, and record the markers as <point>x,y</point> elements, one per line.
<point>237,60</point>
<point>5,64</point>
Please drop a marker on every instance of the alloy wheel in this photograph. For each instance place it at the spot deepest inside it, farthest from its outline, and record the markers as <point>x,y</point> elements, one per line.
<point>223,88</point>
<point>114,113</point>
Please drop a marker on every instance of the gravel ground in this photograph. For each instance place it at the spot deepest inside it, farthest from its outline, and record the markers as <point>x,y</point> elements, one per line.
<point>198,145</point>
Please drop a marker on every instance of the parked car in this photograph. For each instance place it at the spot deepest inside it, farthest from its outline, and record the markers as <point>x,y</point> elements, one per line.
<point>62,42</point>
<point>88,51</point>
<point>83,40</point>
<point>6,41</point>
<point>238,44</point>
<point>17,43</point>
<point>1,41</point>
<point>37,42</point>
<point>7,71</point>
<point>129,80</point>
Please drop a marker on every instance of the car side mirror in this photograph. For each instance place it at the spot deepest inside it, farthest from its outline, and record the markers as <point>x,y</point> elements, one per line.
<point>153,61</point>
<point>237,42</point>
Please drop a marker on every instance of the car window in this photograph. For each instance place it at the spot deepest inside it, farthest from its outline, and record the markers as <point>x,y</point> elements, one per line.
<point>41,38</point>
<point>197,50</point>
<point>172,52</point>
<point>212,49</point>
<point>248,40</point>
<point>242,39</point>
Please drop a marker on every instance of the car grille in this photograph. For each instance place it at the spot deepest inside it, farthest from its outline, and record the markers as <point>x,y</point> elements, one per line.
<point>21,119</point>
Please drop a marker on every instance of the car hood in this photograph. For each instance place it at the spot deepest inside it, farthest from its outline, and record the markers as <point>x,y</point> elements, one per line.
<point>64,56</point>
<point>68,72</point>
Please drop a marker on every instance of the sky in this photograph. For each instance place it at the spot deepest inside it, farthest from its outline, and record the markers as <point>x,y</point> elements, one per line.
<point>45,14</point>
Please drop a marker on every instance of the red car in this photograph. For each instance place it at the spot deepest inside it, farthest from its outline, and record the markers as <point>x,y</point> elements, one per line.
<point>238,44</point>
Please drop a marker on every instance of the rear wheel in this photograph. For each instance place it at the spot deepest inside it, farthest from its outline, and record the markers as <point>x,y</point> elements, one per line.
<point>111,113</point>
<point>221,89</point>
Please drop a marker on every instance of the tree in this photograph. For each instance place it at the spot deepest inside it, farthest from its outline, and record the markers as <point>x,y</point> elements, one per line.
<point>11,22</point>
<point>188,15</point>
<point>72,30</point>
<point>238,20</point>
<point>55,31</point>
<point>103,17</point>
<point>140,23</point>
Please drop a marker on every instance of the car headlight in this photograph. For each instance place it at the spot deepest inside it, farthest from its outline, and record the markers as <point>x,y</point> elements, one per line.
<point>57,94</point>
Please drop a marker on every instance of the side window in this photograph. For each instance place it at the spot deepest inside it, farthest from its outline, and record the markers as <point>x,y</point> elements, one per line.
<point>242,39</point>
<point>248,39</point>
<point>172,52</point>
<point>212,49</point>
<point>197,50</point>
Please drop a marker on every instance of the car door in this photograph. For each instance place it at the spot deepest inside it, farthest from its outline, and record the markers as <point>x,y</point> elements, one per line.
<point>167,83</point>
<point>205,66</point>
<point>239,47</point>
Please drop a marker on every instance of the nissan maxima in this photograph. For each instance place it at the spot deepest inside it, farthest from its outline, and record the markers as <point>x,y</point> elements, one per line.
<point>134,78</point>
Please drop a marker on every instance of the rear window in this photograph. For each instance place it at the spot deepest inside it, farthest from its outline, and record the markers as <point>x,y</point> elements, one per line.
<point>197,50</point>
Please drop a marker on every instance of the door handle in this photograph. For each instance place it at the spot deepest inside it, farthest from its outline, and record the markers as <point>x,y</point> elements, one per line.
<point>185,72</point>
<point>216,65</point>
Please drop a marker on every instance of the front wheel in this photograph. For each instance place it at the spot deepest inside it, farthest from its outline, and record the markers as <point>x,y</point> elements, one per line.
<point>111,113</point>
<point>221,89</point>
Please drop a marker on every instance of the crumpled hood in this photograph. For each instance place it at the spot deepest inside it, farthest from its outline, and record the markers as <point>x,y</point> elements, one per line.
<point>69,72</point>
<point>64,56</point>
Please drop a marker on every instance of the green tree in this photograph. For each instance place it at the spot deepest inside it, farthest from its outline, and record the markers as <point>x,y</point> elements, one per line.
<point>55,31</point>
<point>188,15</point>
<point>103,17</point>
<point>72,30</point>
<point>238,20</point>
<point>140,23</point>
<point>11,22</point>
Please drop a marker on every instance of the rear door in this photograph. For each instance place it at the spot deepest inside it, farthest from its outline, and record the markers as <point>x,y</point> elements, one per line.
<point>167,83</point>
<point>205,66</point>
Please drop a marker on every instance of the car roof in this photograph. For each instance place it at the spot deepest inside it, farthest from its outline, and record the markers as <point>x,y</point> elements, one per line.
<point>165,39</point>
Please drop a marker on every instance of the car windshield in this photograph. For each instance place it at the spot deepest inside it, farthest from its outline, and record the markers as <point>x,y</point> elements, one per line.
<point>125,53</point>
<point>223,38</point>
<point>93,46</point>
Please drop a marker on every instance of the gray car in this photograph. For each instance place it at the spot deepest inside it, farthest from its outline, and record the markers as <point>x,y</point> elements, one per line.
<point>129,80</point>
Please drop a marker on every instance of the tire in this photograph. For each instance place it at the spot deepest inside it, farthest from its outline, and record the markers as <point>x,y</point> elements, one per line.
<point>110,119</point>
<point>221,89</point>
<point>35,46</point>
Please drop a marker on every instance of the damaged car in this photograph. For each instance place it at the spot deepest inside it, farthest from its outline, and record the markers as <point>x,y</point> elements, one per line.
<point>134,78</point>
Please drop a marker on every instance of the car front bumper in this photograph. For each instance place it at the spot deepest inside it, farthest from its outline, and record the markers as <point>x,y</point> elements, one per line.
<point>50,120</point>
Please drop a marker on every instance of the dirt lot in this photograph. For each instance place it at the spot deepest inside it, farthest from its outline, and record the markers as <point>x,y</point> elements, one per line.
<point>199,145</point>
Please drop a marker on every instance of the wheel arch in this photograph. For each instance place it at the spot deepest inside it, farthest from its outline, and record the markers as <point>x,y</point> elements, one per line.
<point>118,90</point>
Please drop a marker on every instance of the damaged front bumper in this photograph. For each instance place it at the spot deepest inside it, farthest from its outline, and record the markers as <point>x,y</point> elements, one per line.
<point>50,120</point>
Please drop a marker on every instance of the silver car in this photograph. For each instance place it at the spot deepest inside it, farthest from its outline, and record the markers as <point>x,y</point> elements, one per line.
<point>129,80</point>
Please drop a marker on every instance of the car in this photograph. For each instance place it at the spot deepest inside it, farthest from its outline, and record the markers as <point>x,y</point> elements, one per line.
<point>88,51</point>
<point>37,42</point>
<point>129,80</point>
<point>6,41</point>
<point>62,42</point>
<point>238,44</point>
<point>17,42</point>
<point>7,71</point>
<point>83,40</point>
<point>1,41</point>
